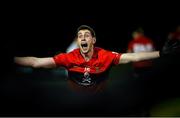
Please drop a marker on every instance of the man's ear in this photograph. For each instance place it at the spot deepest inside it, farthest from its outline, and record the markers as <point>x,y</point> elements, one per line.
<point>94,40</point>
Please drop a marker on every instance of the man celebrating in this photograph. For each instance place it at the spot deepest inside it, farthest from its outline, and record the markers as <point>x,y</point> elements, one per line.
<point>87,66</point>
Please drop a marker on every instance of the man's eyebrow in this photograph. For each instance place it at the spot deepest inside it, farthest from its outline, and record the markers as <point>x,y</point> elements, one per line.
<point>87,32</point>
<point>79,33</point>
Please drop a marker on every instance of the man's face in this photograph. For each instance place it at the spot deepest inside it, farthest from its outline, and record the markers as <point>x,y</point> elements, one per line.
<point>85,41</point>
<point>136,35</point>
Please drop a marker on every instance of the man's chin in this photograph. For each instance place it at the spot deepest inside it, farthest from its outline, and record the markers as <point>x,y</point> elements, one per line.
<point>84,51</point>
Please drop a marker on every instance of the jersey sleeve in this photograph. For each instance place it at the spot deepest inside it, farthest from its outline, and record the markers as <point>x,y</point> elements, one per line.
<point>116,57</point>
<point>61,59</point>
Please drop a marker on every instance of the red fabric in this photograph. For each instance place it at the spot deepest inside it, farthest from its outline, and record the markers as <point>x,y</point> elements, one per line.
<point>100,61</point>
<point>139,45</point>
<point>143,41</point>
<point>176,35</point>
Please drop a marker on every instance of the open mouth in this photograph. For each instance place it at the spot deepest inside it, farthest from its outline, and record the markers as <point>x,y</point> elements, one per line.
<point>84,45</point>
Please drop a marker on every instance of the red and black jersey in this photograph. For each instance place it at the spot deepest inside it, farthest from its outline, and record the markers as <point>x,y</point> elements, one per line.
<point>91,72</point>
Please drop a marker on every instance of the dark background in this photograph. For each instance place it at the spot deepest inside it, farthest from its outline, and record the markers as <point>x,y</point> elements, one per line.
<point>44,30</point>
<point>33,29</point>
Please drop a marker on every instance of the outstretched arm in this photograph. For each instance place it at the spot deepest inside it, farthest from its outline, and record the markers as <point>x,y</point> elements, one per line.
<point>35,62</point>
<point>140,56</point>
<point>171,47</point>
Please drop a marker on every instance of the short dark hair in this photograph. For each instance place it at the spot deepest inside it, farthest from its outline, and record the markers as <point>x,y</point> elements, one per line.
<point>84,27</point>
<point>139,30</point>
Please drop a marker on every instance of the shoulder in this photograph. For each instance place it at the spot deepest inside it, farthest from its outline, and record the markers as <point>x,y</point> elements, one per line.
<point>147,38</point>
<point>132,42</point>
<point>100,50</point>
<point>74,52</point>
<point>104,52</point>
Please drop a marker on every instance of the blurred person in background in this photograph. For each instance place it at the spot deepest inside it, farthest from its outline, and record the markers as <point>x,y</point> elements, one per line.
<point>175,34</point>
<point>73,45</point>
<point>140,43</point>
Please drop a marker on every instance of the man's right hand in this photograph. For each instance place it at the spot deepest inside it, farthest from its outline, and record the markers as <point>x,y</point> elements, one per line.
<point>171,47</point>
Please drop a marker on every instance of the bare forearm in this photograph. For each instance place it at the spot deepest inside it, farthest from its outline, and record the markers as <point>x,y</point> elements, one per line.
<point>35,62</point>
<point>146,55</point>
<point>25,61</point>
<point>140,56</point>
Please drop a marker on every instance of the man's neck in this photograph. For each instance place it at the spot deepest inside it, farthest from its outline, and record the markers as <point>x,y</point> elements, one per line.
<point>88,55</point>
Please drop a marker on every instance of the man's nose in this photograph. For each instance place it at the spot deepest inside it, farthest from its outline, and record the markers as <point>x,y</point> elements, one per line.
<point>83,39</point>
